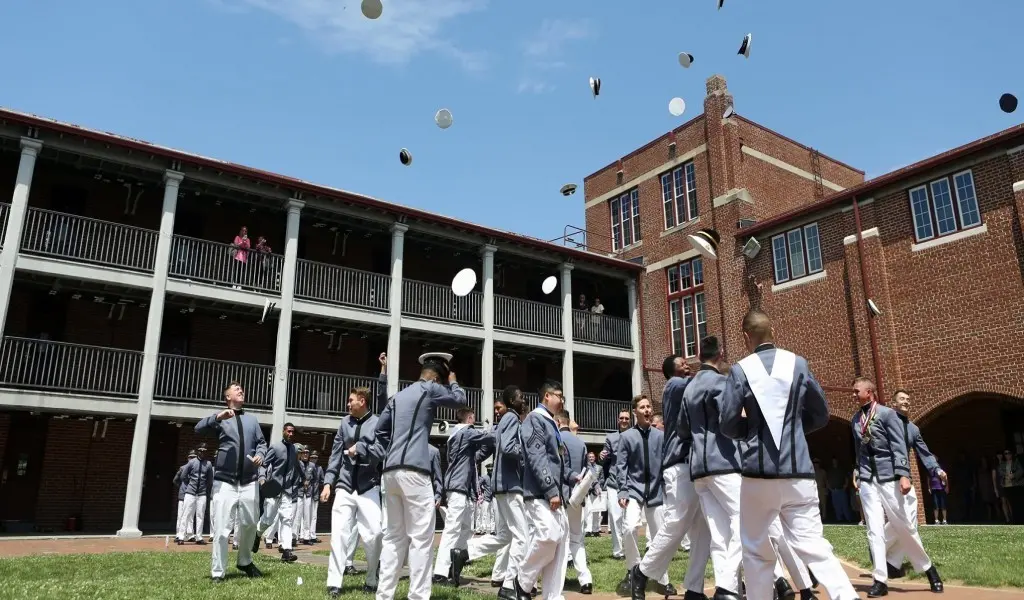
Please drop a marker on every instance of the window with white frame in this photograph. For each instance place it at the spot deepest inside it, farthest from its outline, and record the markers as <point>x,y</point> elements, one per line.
<point>688,321</point>
<point>944,206</point>
<point>679,195</point>
<point>625,219</point>
<point>797,253</point>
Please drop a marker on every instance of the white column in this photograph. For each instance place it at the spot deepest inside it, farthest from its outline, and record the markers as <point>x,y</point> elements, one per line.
<point>567,320</point>
<point>150,355</point>
<point>284,322</point>
<point>487,357</point>
<point>16,223</point>
<point>395,334</point>
<point>634,333</point>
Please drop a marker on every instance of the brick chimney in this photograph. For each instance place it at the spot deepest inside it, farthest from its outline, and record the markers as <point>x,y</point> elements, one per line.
<point>721,136</point>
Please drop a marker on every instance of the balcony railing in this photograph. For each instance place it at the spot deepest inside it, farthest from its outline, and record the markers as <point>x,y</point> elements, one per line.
<point>342,285</point>
<point>434,301</point>
<point>45,365</point>
<point>474,395</point>
<point>82,239</point>
<point>517,314</point>
<point>202,380</point>
<point>222,264</point>
<point>5,209</point>
<point>312,392</point>
<point>599,414</point>
<point>600,329</point>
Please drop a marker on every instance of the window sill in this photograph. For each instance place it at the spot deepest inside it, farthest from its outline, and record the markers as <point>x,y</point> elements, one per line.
<point>678,228</point>
<point>624,249</point>
<point>953,237</point>
<point>780,287</point>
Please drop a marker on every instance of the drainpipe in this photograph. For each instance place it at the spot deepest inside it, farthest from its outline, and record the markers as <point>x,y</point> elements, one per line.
<point>866,283</point>
<point>643,346</point>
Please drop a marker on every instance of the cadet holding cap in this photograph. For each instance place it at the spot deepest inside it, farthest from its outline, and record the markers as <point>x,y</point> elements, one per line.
<point>279,477</point>
<point>401,445</point>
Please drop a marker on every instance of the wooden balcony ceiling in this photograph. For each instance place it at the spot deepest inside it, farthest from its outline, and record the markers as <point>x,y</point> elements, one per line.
<point>81,286</point>
<point>440,342</point>
<point>524,353</point>
<point>345,328</point>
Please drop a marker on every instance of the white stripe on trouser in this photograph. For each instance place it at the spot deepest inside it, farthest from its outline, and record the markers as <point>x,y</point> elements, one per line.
<point>577,550</point>
<point>314,510</point>
<point>545,552</point>
<point>508,544</point>
<point>200,516</point>
<point>279,512</point>
<point>631,524</point>
<point>894,552</point>
<point>186,523</point>
<point>885,500</point>
<point>720,501</point>
<point>796,568</point>
<point>230,501</point>
<point>795,503</point>
<point>409,528</point>
<point>682,514</point>
<point>362,516</point>
<point>458,529</point>
<point>611,499</point>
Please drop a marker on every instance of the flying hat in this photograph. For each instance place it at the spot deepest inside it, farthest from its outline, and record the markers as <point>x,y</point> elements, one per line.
<point>685,59</point>
<point>729,111</point>
<point>405,156</point>
<point>706,242</point>
<point>1008,102</point>
<point>720,3</point>
<point>549,285</point>
<point>443,118</point>
<point>676,106</point>
<point>745,46</point>
<point>464,282</point>
<point>568,189</point>
<point>372,9</point>
<point>595,86</point>
<point>437,361</point>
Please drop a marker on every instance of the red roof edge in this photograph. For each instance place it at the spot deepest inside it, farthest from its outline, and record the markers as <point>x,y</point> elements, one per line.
<point>644,147</point>
<point>881,181</point>
<point>300,185</point>
<point>792,141</point>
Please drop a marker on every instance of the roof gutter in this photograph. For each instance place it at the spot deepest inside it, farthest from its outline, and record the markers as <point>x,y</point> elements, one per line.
<point>865,281</point>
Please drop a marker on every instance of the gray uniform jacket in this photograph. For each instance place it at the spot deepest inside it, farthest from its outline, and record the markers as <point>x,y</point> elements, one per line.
<point>238,438</point>
<point>181,481</point>
<point>206,484</point>
<point>576,461</point>
<point>197,476</point>
<point>320,473</point>
<point>640,465</point>
<point>403,428</point>
<point>282,466</point>
<point>806,412</point>
<point>610,464</point>
<point>545,456</point>
<point>463,445</point>
<point>486,491</point>
<point>507,476</point>
<point>883,456</point>
<point>435,469</point>
<point>914,441</point>
<point>307,484</point>
<point>353,474</point>
<point>677,430</point>
<point>712,453</point>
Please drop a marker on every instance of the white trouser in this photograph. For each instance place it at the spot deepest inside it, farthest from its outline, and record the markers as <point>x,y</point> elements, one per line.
<point>682,514</point>
<point>180,522</point>
<point>577,550</point>
<point>796,568</point>
<point>631,523</point>
<point>275,526</point>
<point>200,516</point>
<point>894,552</point>
<point>484,517</point>
<point>509,540</point>
<point>545,553</point>
<point>611,500</point>
<point>232,501</point>
<point>795,503</point>
<point>188,516</point>
<point>458,529</point>
<point>278,512</point>
<point>359,513</point>
<point>353,542</point>
<point>304,521</point>
<point>720,501</point>
<point>314,509</point>
<point>592,514</point>
<point>881,500</point>
<point>409,528</point>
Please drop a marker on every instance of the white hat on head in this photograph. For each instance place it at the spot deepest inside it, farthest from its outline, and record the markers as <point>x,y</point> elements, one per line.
<point>444,356</point>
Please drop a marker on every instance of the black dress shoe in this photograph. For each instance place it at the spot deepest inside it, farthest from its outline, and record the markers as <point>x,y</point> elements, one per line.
<point>570,565</point>
<point>814,580</point>
<point>460,556</point>
<point>269,546</point>
<point>497,584</point>
<point>724,594</point>
<point>334,592</point>
<point>507,594</point>
<point>521,594</point>
<point>201,542</point>
<point>934,581</point>
<point>878,589</point>
<point>369,589</point>
<point>893,572</point>
<point>351,570</point>
<point>256,545</point>
<point>691,595</point>
<point>637,583</point>
<point>287,556</point>
<point>668,590</point>
<point>783,589</point>
<point>806,595</point>
<point>587,589</point>
<point>250,570</point>
<point>439,580</point>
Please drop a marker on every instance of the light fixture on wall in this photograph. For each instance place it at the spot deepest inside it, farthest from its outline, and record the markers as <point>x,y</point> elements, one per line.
<point>751,248</point>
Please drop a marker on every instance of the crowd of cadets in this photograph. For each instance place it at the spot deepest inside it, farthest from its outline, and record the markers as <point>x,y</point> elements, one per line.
<point>723,473</point>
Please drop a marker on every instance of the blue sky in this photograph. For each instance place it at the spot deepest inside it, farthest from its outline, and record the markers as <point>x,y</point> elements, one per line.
<point>311,89</point>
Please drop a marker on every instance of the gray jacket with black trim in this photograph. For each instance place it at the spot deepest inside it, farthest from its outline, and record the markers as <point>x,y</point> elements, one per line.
<point>884,455</point>
<point>545,456</point>
<point>640,465</point>
<point>712,453</point>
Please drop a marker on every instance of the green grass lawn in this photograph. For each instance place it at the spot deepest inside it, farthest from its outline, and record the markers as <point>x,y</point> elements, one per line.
<point>983,556</point>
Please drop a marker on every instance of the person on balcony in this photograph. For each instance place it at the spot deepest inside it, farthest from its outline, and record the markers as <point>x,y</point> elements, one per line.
<point>401,441</point>
<point>240,256</point>
<point>465,445</point>
<point>279,480</point>
<point>241,450</point>
<point>608,459</point>
<point>265,277</point>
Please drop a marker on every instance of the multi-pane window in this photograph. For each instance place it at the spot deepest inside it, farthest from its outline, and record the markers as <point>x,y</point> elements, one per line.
<point>797,253</point>
<point>625,219</point>
<point>688,320</point>
<point>944,206</point>
<point>679,195</point>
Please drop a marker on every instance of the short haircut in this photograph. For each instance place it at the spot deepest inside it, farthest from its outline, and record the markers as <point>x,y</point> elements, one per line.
<point>624,411</point>
<point>898,392</point>
<point>562,417</point>
<point>658,417</point>
<point>668,366</point>
<point>757,325</point>
<point>566,413</point>
<point>287,425</point>
<point>362,392</point>
<point>638,399</point>
<point>463,413</point>
<point>866,380</point>
<point>550,386</point>
<point>512,398</point>
<point>709,348</point>
<point>229,386</point>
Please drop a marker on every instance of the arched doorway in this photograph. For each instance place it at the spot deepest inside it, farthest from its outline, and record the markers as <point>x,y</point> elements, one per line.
<point>967,435</point>
<point>831,447</point>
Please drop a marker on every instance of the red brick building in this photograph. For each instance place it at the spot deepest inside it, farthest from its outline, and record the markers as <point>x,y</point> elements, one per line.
<point>942,253</point>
